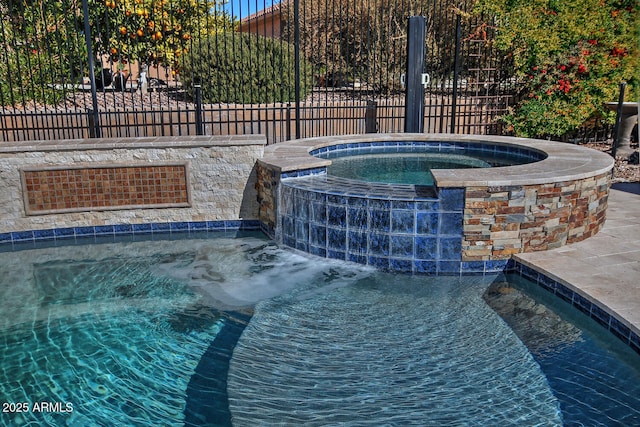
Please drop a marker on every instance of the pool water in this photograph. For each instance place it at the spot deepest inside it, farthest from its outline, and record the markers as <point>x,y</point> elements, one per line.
<point>232,330</point>
<point>410,168</point>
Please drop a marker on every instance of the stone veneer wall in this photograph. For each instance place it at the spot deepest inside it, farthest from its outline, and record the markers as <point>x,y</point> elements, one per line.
<point>268,180</point>
<point>504,220</point>
<point>50,175</point>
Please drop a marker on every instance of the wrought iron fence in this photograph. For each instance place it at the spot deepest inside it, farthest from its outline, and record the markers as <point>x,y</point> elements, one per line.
<point>290,69</point>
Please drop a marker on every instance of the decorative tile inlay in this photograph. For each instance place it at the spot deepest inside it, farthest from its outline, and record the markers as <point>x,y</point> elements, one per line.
<point>55,190</point>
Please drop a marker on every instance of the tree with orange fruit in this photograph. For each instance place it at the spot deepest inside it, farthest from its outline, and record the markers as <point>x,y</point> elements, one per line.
<point>154,32</point>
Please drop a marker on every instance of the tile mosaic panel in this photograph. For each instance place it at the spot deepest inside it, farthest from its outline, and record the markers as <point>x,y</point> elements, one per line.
<point>54,190</point>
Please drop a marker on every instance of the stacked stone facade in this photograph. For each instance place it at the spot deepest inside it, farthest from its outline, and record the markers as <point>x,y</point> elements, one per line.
<point>504,220</point>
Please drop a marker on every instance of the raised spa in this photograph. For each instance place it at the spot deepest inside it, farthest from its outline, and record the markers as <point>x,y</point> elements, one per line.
<point>456,220</point>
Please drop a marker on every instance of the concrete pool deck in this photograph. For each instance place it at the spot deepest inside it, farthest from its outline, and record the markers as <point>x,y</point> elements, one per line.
<point>606,267</point>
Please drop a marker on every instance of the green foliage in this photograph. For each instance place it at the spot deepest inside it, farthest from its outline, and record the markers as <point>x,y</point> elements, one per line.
<point>569,57</point>
<point>243,68</point>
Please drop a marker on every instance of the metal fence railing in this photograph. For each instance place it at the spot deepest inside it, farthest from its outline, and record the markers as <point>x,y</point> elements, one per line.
<point>296,68</point>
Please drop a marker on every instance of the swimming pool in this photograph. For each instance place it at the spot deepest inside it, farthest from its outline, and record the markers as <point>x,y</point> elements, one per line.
<point>227,328</point>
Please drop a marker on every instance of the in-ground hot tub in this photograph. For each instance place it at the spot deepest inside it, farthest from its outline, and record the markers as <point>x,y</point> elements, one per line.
<point>466,220</point>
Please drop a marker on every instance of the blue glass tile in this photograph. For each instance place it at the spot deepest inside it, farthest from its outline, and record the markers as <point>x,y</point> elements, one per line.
<point>84,231</point>
<point>336,215</point>
<point>317,196</point>
<point>21,236</point>
<point>402,221</point>
<point>511,266</point>
<point>337,198</point>
<point>357,242</point>
<point>619,329</point>
<point>47,234</point>
<point>302,231</point>
<point>428,206</point>
<point>288,226</point>
<point>403,205</point>
<point>450,248</point>
<point>634,342</point>
<point>215,225</point>
<point>136,228</point>
<point>123,228</point>
<point>5,237</point>
<point>402,246</point>
<point>599,315</point>
<point>357,218</point>
<point>379,204</point>
<point>357,202</point>
<point>179,226</point>
<point>318,251</point>
<point>336,255</point>
<point>378,262</point>
<point>472,266</point>
<point>379,244</point>
<point>65,233</point>
<point>379,220</point>
<point>426,248</point>
<point>451,223</point>
<point>451,199</point>
<point>202,226</point>
<point>530,273</point>
<point>251,224</point>
<point>289,241</point>
<point>448,267</point>
<point>405,265</point>
<point>160,227</point>
<point>495,266</point>
<point>360,259</point>
<point>301,208</point>
<point>564,293</point>
<point>318,212</point>
<point>302,246</point>
<point>233,224</point>
<point>337,239</point>
<point>582,304</point>
<point>318,235</point>
<point>425,267</point>
<point>427,223</point>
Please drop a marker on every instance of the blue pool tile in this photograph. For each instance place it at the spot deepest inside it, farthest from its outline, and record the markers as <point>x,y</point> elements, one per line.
<point>336,216</point>
<point>530,274</point>
<point>403,265</point>
<point>288,226</point>
<point>215,225</point>
<point>472,266</point>
<point>564,293</point>
<point>402,221</point>
<point>301,208</point>
<point>451,223</point>
<point>65,233</point>
<point>336,239</point>
<point>318,212</point>
<point>135,228</point>
<point>179,226</point>
<point>451,199</point>
<point>379,220</point>
<point>123,228</point>
<point>357,218</point>
<point>357,242</point>
<point>337,199</point>
<point>46,234</point>
<point>357,202</point>
<point>302,246</point>
<point>402,246</point>
<point>22,236</point>
<point>232,224</point>
<point>202,226</point>
<point>84,232</point>
<point>318,251</point>
<point>427,223</point>
<point>448,267</point>
<point>426,248</point>
<point>302,231</point>
<point>403,205</point>
<point>5,238</point>
<point>600,316</point>
<point>428,206</point>
<point>582,304</point>
<point>160,227</point>
<point>378,262</point>
<point>336,254</point>
<point>495,266</point>
<point>619,329</point>
<point>425,267</point>
<point>379,204</point>
<point>634,342</point>
<point>450,248</point>
<point>379,244</point>
<point>289,241</point>
<point>360,259</point>
<point>318,235</point>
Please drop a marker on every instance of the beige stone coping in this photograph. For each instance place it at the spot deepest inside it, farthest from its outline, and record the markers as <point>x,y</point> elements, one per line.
<point>564,161</point>
<point>189,141</point>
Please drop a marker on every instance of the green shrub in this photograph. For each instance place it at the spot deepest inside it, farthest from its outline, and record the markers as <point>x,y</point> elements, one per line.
<point>243,68</point>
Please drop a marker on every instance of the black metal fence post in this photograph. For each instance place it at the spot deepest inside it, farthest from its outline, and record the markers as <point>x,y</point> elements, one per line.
<point>370,117</point>
<point>616,130</point>
<point>296,41</point>
<point>198,93</point>
<point>456,74</point>
<point>414,78</point>
<point>94,115</point>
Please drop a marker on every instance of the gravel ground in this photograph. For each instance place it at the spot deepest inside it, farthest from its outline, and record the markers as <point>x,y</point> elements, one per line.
<point>625,170</point>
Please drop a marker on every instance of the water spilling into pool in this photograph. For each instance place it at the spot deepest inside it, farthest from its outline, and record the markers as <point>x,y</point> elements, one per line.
<point>230,330</point>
